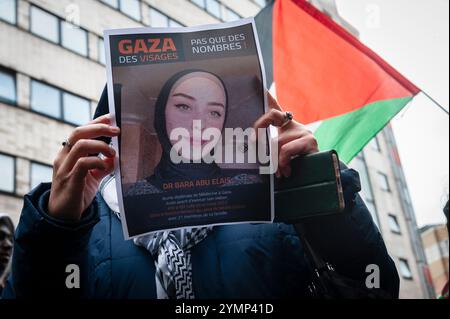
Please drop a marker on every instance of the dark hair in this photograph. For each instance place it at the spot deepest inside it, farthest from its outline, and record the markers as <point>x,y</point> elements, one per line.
<point>103,103</point>
<point>161,102</point>
<point>5,219</point>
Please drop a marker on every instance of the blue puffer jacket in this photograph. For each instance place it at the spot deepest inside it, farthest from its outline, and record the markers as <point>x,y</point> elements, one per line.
<point>244,261</point>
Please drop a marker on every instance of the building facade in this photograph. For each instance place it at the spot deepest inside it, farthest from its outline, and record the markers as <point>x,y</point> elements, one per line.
<point>435,243</point>
<point>52,73</point>
<point>386,194</point>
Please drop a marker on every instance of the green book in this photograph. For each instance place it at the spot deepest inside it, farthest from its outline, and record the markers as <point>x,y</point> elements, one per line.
<point>313,189</point>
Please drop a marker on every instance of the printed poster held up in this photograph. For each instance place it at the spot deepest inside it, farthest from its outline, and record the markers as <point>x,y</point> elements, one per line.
<point>184,99</point>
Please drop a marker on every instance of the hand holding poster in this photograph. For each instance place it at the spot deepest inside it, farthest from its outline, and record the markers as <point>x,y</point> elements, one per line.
<point>186,100</point>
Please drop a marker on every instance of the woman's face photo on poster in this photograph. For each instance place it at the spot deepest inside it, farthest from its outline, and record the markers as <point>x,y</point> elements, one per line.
<point>197,101</point>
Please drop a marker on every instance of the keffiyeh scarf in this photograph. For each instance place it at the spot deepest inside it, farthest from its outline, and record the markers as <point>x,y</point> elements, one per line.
<point>171,251</point>
<point>172,255</point>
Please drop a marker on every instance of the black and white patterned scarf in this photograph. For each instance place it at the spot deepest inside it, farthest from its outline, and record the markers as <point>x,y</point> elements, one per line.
<point>171,251</point>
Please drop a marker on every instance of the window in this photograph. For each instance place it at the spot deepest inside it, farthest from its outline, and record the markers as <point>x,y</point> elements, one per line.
<point>384,182</point>
<point>200,3</point>
<point>7,87</point>
<point>131,8</point>
<point>52,28</point>
<point>158,20</point>
<point>405,271</point>
<point>40,174</point>
<point>45,99</point>
<point>101,51</point>
<point>76,109</point>
<point>375,144</point>
<point>231,15</point>
<point>58,104</point>
<point>44,24</point>
<point>112,3</point>
<point>74,38</point>
<point>8,11</point>
<point>213,7</point>
<point>7,173</point>
<point>393,224</point>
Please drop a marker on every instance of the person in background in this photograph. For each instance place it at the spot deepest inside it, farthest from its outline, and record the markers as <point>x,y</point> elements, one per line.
<point>6,246</point>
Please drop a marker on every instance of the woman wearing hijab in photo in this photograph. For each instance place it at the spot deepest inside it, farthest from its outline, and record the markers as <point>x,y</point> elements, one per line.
<point>187,96</point>
<point>72,221</point>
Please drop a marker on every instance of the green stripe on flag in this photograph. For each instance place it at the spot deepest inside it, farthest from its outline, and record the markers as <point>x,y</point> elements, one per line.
<point>349,133</point>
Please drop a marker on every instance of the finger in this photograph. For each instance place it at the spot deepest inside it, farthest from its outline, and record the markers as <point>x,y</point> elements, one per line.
<point>83,148</point>
<point>286,136</point>
<point>59,159</point>
<point>105,119</point>
<point>91,131</point>
<point>300,146</point>
<point>85,164</point>
<point>273,104</point>
<point>273,117</point>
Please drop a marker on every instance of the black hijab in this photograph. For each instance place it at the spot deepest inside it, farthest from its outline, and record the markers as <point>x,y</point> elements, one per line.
<point>102,108</point>
<point>166,169</point>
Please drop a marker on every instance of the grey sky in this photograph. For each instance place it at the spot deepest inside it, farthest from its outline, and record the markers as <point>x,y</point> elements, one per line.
<point>413,35</point>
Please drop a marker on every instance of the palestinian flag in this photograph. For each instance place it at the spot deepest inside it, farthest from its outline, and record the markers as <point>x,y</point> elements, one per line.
<point>323,73</point>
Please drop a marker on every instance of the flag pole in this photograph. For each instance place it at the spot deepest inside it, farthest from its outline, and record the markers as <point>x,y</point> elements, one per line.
<point>435,102</point>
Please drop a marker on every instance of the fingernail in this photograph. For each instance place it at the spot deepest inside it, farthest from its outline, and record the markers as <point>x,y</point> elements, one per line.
<point>115,130</point>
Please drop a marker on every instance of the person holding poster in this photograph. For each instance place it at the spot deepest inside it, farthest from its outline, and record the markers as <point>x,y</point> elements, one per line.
<point>79,222</point>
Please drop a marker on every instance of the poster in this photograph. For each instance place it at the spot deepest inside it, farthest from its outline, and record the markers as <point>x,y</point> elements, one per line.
<point>184,99</point>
